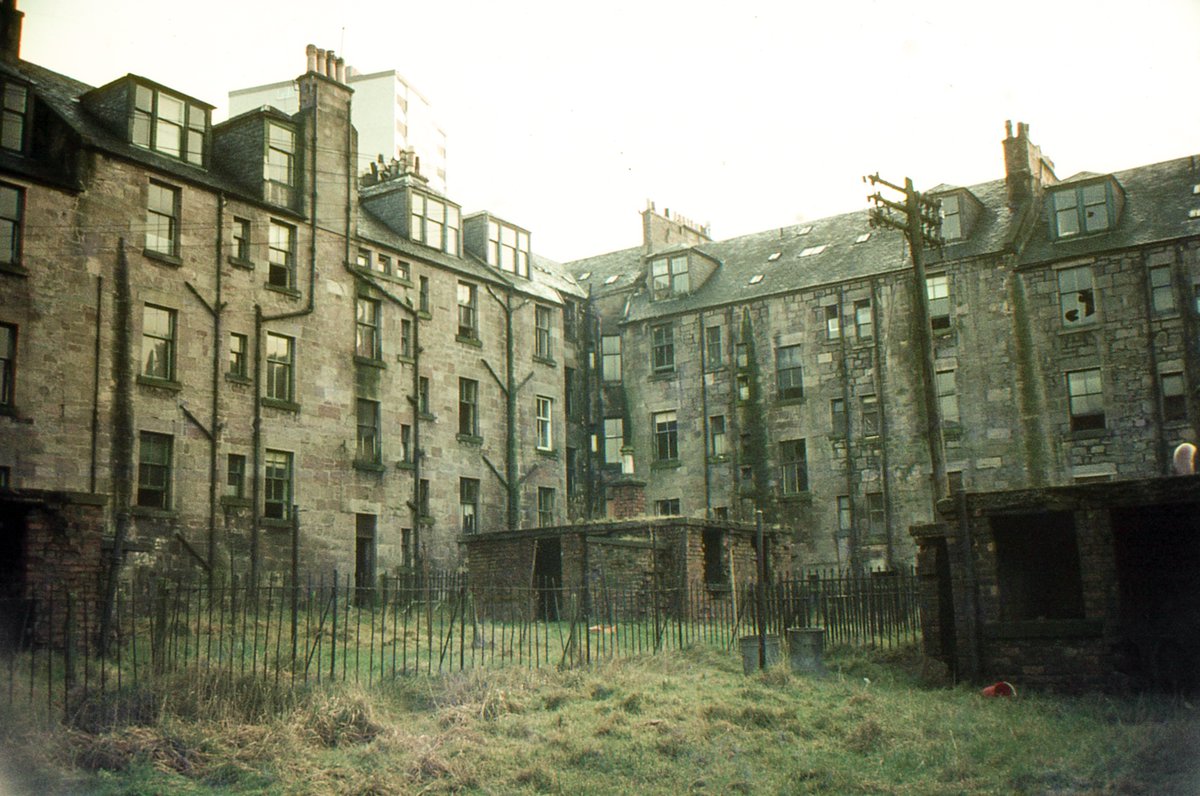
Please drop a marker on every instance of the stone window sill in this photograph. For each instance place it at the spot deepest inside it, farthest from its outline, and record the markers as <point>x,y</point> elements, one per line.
<point>546,453</point>
<point>666,374</point>
<point>151,512</point>
<point>162,257</point>
<point>235,502</point>
<point>666,464</point>
<point>368,466</point>
<point>13,269</point>
<point>276,403</point>
<point>469,439</point>
<point>237,262</point>
<point>370,362</point>
<point>162,384</point>
<point>275,522</point>
<point>475,341</point>
<point>796,401</point>
<point>545,360</point>
<point>804,496</point>
<point>402,465</point>
<point>290,292</point>
<point>237,378</point>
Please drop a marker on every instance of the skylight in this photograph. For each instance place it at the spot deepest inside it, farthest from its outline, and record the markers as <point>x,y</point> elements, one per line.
<point>585,276</point>
<point>811,250</point>
<point>804,230</point>
<point>754,280</point>
<point>1194,212</point>
<point>775,256</point>
<point>863,238</point>
<point>612,279</point>
<point>1196,189</point>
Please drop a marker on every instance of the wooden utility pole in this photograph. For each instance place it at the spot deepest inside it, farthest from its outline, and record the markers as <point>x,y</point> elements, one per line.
<point>920,220</point>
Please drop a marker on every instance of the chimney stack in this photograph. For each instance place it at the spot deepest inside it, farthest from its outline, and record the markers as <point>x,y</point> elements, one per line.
<point>10,30</point>
<point>1026,170</point>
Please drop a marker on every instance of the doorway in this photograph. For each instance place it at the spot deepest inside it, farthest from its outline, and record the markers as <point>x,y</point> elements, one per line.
<point>547,577</point>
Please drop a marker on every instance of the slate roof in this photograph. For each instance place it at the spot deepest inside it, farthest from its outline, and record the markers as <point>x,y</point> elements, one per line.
<point>1158,199</point>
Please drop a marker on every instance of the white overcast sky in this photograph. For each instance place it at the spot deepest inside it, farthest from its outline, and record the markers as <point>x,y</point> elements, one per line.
<point>565,118</point>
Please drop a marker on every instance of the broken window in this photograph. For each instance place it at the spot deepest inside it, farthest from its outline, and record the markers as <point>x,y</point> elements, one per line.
<point>1076,296</point>
<point>1086,399</point>
<point>1174,399</point>
<point>833,322</point>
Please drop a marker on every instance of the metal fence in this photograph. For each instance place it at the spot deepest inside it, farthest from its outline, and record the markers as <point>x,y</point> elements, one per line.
<point>330,630</point>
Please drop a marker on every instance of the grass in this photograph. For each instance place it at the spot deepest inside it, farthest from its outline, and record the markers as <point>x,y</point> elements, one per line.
<point>678,722</point>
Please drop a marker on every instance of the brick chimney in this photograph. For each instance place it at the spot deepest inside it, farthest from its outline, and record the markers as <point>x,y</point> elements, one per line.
<point>626,495</point>
<point>1026,170</point>
<point>661,230</point>
<point>10,30</point>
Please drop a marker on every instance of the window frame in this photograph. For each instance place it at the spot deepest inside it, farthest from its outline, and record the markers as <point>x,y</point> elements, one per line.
<point>666,435</point>
<point>946,387</point>
<point>277,158</point>
<point>1072,287</point>
<point>544,424</point>
<point>793,467</point>
<point>543,321</point>
<point>1172,390</point>
<point>613,442</point>
<point>444,233</point>
<point>240,240</point>
<point>368,438</point>
<point>662,347</point>
<point>159,215</point>
<point>713,355</point>
<point>547,517</point>
<point>279,474</point>
<point>1082,403</point>
<point>871,415</point>
<point>468,504</point>
<point>468,311</point>
<point>164,344</point>
<point>833,321</point>
<point>281,255</point>
<point>281,367</point>
<point>937,297</point>
<point>468,407</point>
<point>235,476</point>
<point>154,474</point>
<point>864,321</point>
<point>239,355</point>
<point>8,366</point>
<point>670,277</point>
<point>1162,293</point>
<point>951,218</point>
<point>12,116</point>
<point>718,442</point>
<point>1080,209</point>
<point>155,124</point>
<point>789,377</point>
<point>610,360</point>
<point>368,331</point>
<point>12,220</point>
<point>508,248</point>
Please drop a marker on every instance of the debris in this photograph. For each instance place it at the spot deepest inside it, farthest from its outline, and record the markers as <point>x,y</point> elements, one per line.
<point>1000,689</point>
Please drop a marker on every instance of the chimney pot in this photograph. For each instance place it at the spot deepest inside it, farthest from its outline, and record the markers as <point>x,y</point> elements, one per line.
<point>310,53</point>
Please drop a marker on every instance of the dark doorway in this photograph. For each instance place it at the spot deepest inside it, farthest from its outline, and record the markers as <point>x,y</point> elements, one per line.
<point>14,608</point>
<point>364,558</point>
<point>947,635</point>
<point>1037,566</point>
<point>547,577</point>
<point>1157,551</point>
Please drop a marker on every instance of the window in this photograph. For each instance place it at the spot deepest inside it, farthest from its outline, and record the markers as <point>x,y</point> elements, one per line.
<point>845,514</point>
<point>937,290</point>
<point>793,466</point>
<point>876,515</point>
<point>743,387</point>
<point>545,506</point>
<point>12,201</point>
<point>614,439</point>
<point>545,412</point>
<point>382,265</point>
<point>277,484</point>
<point>1162,292</point>
<point>423,509</point>
<point>572,472</point>
<point>423,405</point>
<point>666,437</point>
<point>838,420</point>
<point>543,346</point>
<point>742,355</point>
<point>158,342</point>
<point>281,255</point>
<point>570,386</point>
<point>1037,566</point>
<point>610,357</point>
<point>716,436</point>
<point>406,547</point>
<point>1076,296</point>
<point>162,219</point>
<point>423,294</point>
<point>508,248</point>
<point>713,355</point>
<point>667,508</point>
<point>1081,210</point>
<point>669,277</point>
<point>721,513</point>
<point>238,361</point>
<point>154,470</point>
<point>954,481</point>
<point>788,373</point>
<point>406,451</point>
<point>12,117</point>
<point>1174,399</point>
<point>279,163</point>
<point>366,328</point>
<point>401,270</point>
<point>870,416</point>
<point>947,394</point>
<point>168,124</point>
<point>1086,399</point>
<point>368,448</point>
<point>363,259</point>
<point>8,364</point>
<point>468,500</point>
<point>568,314</point>
<point>280,363</point>
<point>434,223</point>
<point>468,407</point>
<point>716,565</point>
<point>833,322</point>
<point>235,476</point>
<point>406,345</point>
<point>951,218</point>
<point>467,311</point>
<point>663,347</point>
<point>241,240</point>
<point>864,325</point>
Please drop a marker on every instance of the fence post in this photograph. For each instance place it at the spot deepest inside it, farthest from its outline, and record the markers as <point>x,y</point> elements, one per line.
<point>158,634</point>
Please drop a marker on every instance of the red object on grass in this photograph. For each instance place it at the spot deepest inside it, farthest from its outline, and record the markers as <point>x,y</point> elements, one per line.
<point>1000,689</point>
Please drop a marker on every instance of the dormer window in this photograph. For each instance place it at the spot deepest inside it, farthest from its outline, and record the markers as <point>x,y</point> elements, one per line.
<point>168,124</point>
<point>508,248</point>
<point>434,222</point>
<point>669,277</point>
<point>952,227</point>
<point>12,116</point>
<point>279,162</point>
<point>1083,210</point>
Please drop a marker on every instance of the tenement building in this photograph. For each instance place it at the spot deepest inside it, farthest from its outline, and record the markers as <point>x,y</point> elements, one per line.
<point>222,343</point>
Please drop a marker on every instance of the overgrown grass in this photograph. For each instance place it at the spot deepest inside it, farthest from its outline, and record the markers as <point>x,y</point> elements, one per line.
<point>680,722</point>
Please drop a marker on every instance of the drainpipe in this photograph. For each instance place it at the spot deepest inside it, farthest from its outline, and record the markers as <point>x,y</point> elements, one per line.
<point>884,476</point>
<point>855,554</point>
<point>96,385</point>
<point>511,463</point>
<point>704,415</point>
<point>214,423</point>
